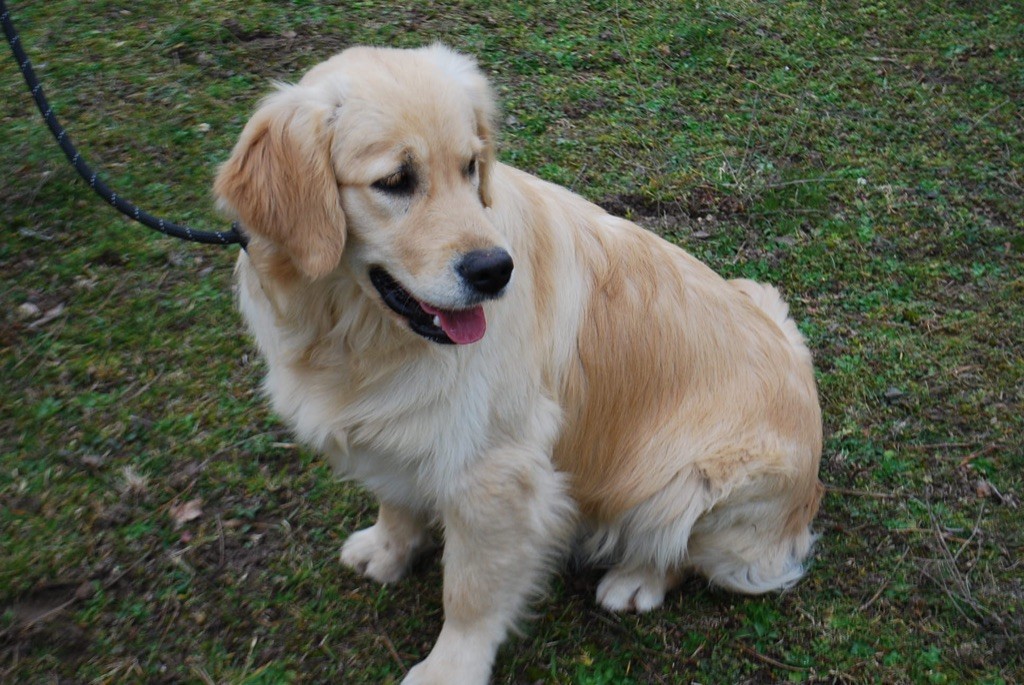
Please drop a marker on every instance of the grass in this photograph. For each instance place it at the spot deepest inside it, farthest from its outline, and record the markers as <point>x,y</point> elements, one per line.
<point>865,156</point>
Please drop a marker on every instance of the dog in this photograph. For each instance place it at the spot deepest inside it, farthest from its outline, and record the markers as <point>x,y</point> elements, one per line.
<point>492,354</point>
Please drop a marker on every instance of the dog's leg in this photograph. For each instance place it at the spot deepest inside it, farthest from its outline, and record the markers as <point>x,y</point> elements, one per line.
<point>635,588</point>
<point>653,538</point>
<point>505,525</point>
<point>385,550</point>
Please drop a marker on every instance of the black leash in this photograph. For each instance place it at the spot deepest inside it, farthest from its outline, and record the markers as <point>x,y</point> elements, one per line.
<point>235,235</point>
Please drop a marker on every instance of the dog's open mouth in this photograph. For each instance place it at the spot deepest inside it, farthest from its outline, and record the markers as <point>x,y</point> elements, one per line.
<point>445,326</point>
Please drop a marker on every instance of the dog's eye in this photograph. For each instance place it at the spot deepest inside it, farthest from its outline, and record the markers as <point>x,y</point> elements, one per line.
<point>470,169</point>
<point>402,182</point>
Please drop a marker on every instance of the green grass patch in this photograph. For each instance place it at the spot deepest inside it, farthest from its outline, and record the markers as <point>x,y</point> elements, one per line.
<point>864,156</point>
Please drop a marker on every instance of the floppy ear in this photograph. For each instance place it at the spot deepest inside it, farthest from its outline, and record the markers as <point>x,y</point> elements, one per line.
<point>280,182</point>
<point>466,72</point>
<point>488,158</point>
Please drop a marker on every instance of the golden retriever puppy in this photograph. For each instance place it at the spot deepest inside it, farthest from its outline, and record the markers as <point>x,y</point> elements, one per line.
<point>492,354</point>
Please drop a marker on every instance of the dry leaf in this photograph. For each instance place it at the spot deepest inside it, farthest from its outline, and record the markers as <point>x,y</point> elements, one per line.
<point>49,316</point>
<point>189,511</point>
<point>984,488</point>
<point>28,310</point>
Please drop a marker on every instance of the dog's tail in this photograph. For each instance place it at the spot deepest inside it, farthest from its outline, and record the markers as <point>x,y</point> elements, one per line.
<point>770,301</point>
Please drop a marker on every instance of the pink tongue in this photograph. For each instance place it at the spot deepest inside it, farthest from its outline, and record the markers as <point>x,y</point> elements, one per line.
<point>463,326</point>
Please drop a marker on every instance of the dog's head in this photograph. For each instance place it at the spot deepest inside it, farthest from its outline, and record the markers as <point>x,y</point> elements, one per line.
<point>379,161</point>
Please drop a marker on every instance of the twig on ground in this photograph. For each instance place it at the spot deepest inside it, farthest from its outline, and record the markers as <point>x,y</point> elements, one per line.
<point>988,449</point>
<point>220,536</point>
<point>878,593</point>
<point>772,662</point>
<point>984,116</point>
<point>939,445</point>
<point>917,529</point>
<point>859,493</point>
<point>201,673</point>
<point>945,573</point>
<point>248,658</point>
<point>390,646</point>
<point>884,585</point>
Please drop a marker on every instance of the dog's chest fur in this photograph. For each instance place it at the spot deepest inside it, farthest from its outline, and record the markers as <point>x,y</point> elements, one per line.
<point>402,421</point>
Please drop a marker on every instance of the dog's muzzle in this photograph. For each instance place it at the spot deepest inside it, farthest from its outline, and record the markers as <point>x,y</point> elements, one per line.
<point>447,326</point>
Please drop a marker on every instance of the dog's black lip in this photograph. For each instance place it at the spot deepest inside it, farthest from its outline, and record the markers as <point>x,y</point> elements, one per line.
<point>401,302</point>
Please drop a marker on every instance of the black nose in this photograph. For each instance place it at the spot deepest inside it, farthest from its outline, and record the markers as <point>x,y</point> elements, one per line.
<point>486,271</point>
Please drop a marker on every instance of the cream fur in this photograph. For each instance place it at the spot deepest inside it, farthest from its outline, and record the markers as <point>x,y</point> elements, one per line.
<point>624,395</point>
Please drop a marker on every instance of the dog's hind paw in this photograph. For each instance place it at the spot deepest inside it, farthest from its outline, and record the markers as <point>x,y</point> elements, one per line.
<point>633,589</point>
<point>377,555</point>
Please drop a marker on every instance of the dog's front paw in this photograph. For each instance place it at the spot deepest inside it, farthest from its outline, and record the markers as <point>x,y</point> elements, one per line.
<point>636,590</point>
<point>376,554</point>
<point>420,675</point>
<point>435,670</point>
